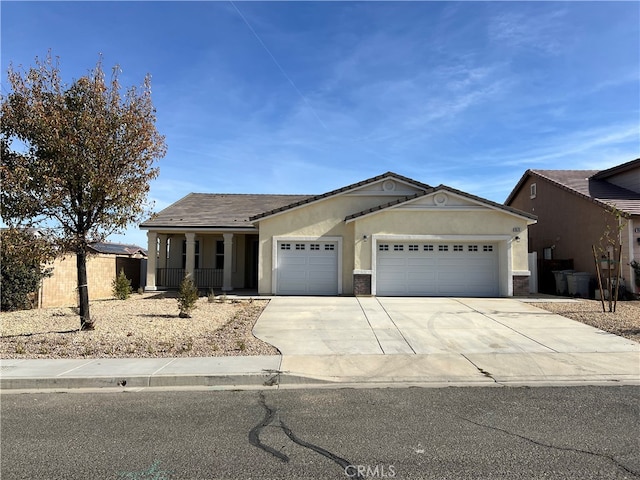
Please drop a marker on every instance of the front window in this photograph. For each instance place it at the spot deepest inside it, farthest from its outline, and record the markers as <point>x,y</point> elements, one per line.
<point>184,254</point>
<point>220,254</point>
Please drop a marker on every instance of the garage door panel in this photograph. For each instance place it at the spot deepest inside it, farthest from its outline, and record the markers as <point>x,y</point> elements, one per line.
<point>293,260</point>
<point>308,268</point>
<point>469,269</point>
<point>393,261</point>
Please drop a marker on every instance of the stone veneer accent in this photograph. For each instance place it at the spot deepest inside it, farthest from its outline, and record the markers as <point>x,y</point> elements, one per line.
<point>362,284</point>
<point>520,285</point>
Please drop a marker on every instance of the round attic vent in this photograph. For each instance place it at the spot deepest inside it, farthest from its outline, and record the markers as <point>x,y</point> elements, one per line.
<point>440,199</point>
<point>389,185</point>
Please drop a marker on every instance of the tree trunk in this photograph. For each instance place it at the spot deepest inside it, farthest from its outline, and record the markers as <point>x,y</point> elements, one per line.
<point>83,289</point>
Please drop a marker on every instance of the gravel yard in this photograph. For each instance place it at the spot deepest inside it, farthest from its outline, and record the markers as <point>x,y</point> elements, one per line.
<point>625,321</point>
<point>148,326</point>
<point>142,326</point>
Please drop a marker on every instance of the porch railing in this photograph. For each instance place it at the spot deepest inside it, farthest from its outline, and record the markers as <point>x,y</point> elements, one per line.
<point>204,277</point>
<point>208,277</point>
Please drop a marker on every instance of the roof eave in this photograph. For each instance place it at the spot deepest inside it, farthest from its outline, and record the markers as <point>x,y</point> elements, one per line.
<point>597,201</point>
<point>339,191</point>
<point>530,218</point>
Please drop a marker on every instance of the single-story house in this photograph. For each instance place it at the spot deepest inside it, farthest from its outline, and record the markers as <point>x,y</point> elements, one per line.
<point>103,264</point>
<point>387,235</point>
<point>573,209</point>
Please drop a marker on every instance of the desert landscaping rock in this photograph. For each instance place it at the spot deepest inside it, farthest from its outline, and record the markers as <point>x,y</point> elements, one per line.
<point>148,326</point>
<point>142,326</point>
<point>625,321</point>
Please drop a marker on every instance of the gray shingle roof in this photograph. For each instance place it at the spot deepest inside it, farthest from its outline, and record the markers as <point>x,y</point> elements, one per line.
<point>117,248</point>
<point>218,210</point>
<point>314,198</point>
<point>588,184</point>
<point>446,188</point>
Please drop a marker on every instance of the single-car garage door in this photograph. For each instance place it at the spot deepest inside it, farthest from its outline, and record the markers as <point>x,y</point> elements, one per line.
<point>437,269</point>
<point>307,268</point>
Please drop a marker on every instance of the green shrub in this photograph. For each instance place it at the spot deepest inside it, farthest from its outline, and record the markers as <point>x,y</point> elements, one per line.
<point>23,266</point>
<point>636,270</point>
<point>187,296</point>
<point>121,286</point>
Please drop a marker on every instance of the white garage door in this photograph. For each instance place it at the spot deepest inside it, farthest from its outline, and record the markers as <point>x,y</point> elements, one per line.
<point>307,268</point>
<point>438,269</point>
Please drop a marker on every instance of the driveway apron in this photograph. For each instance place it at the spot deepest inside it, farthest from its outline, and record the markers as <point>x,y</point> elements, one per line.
<point>501,340</point>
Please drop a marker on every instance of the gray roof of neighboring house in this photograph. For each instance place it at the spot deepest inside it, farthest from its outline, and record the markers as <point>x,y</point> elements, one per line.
<point>117,248</point>
<point>219,210</point>
<point>590,184</point>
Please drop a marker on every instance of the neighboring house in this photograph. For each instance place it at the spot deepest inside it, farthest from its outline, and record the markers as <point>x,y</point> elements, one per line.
<point>103,264</point>
<point>573,208</point>
<point>387,235</point>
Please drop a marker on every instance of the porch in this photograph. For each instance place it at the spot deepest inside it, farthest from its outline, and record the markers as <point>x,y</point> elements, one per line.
<point>215,260</point>
<point>204,278</point>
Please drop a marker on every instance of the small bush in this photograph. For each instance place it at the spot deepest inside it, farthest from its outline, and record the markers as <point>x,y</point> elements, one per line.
<point>121,286</point>
<point>23,265</point>
<point>187,297</point>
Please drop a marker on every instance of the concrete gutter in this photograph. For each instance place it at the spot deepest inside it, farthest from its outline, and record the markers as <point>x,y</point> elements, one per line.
<point>317,371</point>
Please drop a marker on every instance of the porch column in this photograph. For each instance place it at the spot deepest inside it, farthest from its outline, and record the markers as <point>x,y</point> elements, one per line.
<point>162,254</point>
<point>190,263</point>
<point>226,273</point>
<point>152,252</point>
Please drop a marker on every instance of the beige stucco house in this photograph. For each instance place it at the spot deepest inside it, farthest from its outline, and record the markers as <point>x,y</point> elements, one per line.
<point>387,235</point>
<point>573,209</point>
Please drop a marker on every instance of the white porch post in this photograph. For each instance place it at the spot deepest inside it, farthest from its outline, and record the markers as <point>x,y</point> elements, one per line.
<point>152,252</point>
<point>190,263</point>
<point>226,273</point>
<point>162,254</point>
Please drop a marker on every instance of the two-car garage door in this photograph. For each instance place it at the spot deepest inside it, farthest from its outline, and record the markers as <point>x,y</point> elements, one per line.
<point>430,268</point>
<point>402,268</point>
<point>307,268</point>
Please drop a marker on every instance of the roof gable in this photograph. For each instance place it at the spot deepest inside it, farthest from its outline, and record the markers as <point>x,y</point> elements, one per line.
<point>590,185</point>
<point>443,197</point>
<point>389,183</point>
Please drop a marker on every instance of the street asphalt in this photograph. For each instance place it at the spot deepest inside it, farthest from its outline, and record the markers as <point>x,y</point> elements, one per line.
<point>369,341</point>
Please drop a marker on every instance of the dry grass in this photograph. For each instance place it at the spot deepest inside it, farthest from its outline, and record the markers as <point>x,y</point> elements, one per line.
<point>142,326</point>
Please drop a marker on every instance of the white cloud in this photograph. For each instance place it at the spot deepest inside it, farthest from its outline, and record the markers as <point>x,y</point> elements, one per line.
<point>542,31</point>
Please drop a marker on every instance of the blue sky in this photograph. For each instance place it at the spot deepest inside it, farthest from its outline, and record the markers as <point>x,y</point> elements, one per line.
<point>306,97</point>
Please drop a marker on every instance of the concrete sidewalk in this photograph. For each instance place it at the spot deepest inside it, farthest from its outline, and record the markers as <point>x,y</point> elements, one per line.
<point>295,371</point>
<point>348,341</point>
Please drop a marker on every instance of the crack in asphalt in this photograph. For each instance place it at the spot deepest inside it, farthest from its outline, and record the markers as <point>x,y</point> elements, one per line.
<point>270,413</point>
<point>555,447</point>
<point>254,434</point>
<point>331,456</point>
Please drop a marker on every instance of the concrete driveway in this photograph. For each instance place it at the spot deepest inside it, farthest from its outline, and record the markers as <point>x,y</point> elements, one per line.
<point>392,338</point>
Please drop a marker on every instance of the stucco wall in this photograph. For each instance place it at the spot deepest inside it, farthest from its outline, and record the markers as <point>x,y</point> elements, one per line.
<point>569,223</point>
<point>60,290</point>
<point>326,218</point>
<point>473,223</point>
